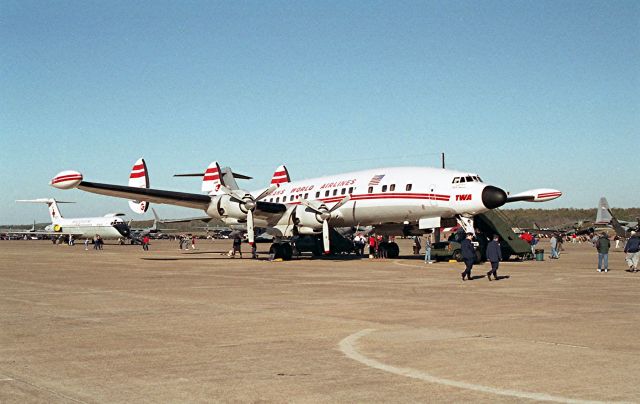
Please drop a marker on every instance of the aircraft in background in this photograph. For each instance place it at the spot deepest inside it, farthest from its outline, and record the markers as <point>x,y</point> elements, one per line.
<point>394,200</point>
<point>110,226</point>
<point>605,217</point>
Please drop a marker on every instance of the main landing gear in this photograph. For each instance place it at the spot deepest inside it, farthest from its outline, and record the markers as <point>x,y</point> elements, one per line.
<point>281,250</point>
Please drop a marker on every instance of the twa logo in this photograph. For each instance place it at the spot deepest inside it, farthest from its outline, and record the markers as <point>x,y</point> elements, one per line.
<point>463,197</point>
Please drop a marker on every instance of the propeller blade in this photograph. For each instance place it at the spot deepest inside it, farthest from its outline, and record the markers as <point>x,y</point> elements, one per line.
<point>340,203</point>
<point>234,193</point>
<point>325,236</point>
<point>266,192</point>
<point>314,207</point>
<point>250,233</point>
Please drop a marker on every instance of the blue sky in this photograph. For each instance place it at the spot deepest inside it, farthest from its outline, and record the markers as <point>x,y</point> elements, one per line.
<point>527,94</point>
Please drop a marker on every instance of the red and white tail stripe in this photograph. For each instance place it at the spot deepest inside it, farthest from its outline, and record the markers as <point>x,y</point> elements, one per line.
<point>212,179</point>
<point>281,176</point>
<point>66,180</point>
<point>139,178</point>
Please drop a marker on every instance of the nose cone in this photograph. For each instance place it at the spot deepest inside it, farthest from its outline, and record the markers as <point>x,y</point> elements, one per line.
<point>493,197</point>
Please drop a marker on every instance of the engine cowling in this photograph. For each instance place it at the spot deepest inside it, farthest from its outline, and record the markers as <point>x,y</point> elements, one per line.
<point>223,207</point>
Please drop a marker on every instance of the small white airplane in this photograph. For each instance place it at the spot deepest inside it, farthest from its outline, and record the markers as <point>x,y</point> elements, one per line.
<point>394,200</point>
<point>110,226</point>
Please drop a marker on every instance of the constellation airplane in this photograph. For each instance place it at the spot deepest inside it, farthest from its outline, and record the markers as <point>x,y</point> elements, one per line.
<point>394,200</point>
<point>109,226</point>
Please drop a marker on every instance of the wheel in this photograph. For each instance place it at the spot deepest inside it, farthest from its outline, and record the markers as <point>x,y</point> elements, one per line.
<point>393,251</point>
<point>317,249</point>
<point>276,250</point>
<point>457,255</point>
<point>286,251</point>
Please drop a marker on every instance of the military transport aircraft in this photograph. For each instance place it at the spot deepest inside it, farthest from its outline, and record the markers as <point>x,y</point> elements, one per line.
<point>394,200</point>
<point>605,217</point>
<point>110,226</point>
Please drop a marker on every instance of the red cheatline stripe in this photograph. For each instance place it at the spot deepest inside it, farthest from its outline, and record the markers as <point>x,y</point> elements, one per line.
<point>137,175</point>
<point>380,196</point>
<point>138,167</point>
<point>66,178</point>
<point>549,194</point>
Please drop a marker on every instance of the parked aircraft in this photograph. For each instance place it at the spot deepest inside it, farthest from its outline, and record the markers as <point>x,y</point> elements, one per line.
<point>604,216</point>
<point>109,226</point>
<point>395,200</point>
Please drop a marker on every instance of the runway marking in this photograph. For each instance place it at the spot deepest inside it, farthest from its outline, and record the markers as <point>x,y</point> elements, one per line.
<point>347,346</point>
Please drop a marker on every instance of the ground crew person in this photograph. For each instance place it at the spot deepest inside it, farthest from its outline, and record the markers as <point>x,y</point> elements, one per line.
<point>494,256</point>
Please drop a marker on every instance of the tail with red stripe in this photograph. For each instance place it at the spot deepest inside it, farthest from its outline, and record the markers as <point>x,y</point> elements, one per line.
<point>139,178</point>
<point>280,176</point>
<point>212,179</point>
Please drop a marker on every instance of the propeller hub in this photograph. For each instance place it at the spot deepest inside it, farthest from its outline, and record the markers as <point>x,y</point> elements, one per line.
<point>250,204</point>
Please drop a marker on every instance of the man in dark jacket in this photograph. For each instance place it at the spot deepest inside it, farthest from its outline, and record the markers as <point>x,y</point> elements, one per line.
<point>494,256</point>
<point>468,255</point>
<point>632,248</point>
<point>603,244</point>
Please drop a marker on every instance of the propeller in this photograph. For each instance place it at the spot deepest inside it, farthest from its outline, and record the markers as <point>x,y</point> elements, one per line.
<point>249,203</point>
<point>323,213</point>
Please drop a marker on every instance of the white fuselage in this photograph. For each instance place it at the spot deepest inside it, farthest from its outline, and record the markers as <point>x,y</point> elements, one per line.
<point>384,195</point>
<point>89,227</point>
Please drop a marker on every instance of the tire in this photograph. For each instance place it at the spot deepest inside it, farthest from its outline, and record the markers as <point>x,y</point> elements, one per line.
<point>457,255</point>
<point>393,251</point>
<point>286,251</point>
<point>276,250</point>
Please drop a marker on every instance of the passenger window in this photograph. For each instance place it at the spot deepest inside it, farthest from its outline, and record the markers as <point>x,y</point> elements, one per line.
<point>306,196</point>
<point>317,194</point>
<point>350,190</point>
<point>392,187</point>
<point>335,192</point>
<point>284,199</point>
<point>343,191</point>
<point>370,190</point>
<point>277,199</point>
<point>384,188</point>
<point>408,187</point>
<point>326,193</point>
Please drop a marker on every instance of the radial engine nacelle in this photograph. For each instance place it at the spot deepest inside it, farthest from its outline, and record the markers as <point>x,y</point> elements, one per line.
<point>224,206</point>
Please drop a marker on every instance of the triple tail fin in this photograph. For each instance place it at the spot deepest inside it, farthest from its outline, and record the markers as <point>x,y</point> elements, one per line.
<point>212,179</point>
<point>280,176</point>
<point>139,178</point>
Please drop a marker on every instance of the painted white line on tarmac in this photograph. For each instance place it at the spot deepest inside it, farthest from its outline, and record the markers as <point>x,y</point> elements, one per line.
<point>347,346</point>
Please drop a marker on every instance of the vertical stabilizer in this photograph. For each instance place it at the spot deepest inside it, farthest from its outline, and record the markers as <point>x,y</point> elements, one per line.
<point>603,216</point>
<point>54,211</point>
<point>139,178</point>
<point>280,176</point>
<point>212,179</point>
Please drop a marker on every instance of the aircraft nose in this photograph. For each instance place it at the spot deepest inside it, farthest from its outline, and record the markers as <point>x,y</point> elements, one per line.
<point>493,197</point>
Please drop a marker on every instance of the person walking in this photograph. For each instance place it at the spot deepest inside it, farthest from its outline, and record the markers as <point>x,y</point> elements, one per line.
<point>494,256</point>
<point>632,248</point>
<point>237,246</point>
<point>427,250</point>
<point>373,251</point>
<point>193,242</point>
<point>145,243</point>
<point>416,245</point>
<point>554,246</point>
<point>602,245</point>
<point>468,256</point>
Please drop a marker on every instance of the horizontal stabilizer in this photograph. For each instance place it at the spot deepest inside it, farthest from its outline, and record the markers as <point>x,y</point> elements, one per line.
<point>42,200</point>
<point>535,195</point>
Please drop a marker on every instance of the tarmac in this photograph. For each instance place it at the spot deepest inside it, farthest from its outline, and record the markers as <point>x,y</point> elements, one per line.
<point>124,325</point>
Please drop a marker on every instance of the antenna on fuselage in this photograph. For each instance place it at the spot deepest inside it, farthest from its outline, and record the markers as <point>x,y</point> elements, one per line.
<point>442,158</point>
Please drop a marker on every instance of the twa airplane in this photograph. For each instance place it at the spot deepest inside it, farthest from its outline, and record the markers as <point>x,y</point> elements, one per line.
<point>109,226</point>
<point>394,200</point>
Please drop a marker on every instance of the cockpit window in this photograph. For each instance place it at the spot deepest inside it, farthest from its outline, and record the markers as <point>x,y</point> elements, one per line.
<point>456,180</point>
<point>469,179</point>
<point>462,179</point>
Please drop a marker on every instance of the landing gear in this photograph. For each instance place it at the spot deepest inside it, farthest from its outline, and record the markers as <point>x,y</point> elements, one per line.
<point>281,250</point>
